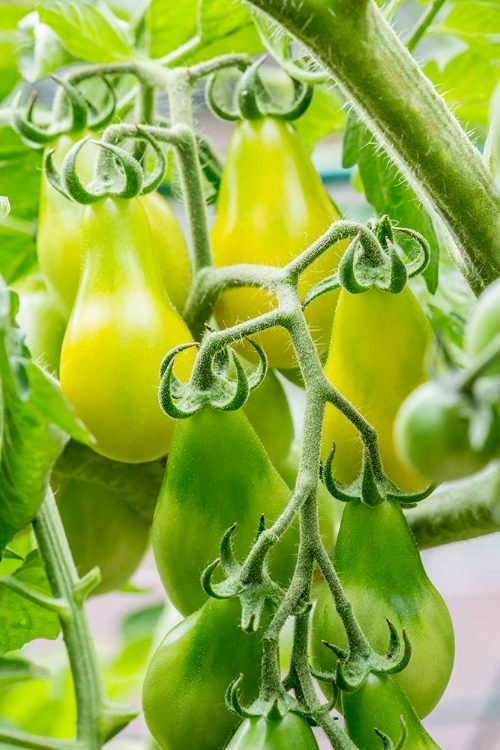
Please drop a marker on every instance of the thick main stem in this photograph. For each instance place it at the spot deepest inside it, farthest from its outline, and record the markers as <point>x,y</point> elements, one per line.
<point>63,578</point>
<point>377,74</point>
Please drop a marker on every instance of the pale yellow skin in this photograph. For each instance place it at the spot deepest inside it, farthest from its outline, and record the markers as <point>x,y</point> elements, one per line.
<point>272,206</point>
<point>58,239</point>
<point>377,357</point>
<point>121,327</point>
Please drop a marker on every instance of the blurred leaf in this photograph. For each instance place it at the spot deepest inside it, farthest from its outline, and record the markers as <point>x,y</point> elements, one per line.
<point>388,192</point>
<point>20,171</point>
<point>210,28</point>
<point>40,50</point>
<point>476,18</point>
<point>138,485</point>
<point>170,25</point>
<point>34,417</point>
<point>10,15</point>
<point>323,117</point>
<point>14,669</point>
<point>21,620</point>
<point>467,83</point>
<point>88,29</point>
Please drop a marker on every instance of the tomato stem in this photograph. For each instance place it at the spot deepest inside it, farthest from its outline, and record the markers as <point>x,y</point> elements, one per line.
<point>379,77</point>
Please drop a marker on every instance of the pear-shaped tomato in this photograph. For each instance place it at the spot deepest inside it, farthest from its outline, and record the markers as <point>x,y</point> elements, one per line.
<point>121,326</point>
<point>184,687</point>
<point>59,242</point>
<point>41,321</point>
<point>379,566</point>
<point>377,357</point>
<point>101,529</point>
<point>271,206</point>
<point>292,732</point>
<point>268,411</point>
<point>380,704</point>
<point>218,474</point>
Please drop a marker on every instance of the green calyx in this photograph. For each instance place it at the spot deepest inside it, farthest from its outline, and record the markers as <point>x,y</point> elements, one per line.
<point>210,383</point>
<point>252,100</point>
<point>372,487</point>
<point>373,260</point>
<point>71,113</point>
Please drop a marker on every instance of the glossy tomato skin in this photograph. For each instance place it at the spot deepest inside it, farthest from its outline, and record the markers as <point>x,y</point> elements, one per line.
<point>432,434</point>
<point>376,359</point>
<point>380,569</point>
<point>380,704</point>
<point>120,328</point>
<point>218,474</point>
<point>271,206</point>
<point>102,530</point>
<point>291,733</point>
<point>59,236</point>
<point>484,324</point>
<point>268,412</point>
<point>41,321</point>
<point>184,687</point>
<point>170,248</point>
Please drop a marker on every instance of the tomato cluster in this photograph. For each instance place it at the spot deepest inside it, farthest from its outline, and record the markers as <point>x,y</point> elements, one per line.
<point>106,308</point>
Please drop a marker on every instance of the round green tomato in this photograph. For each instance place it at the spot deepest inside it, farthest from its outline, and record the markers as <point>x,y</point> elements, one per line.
<point>380,704</point>
<point>186,681</point>
<point>291,733</point>
<point>41,322</point>
<point>484,324</point>
<point>432,433</point>
<point>102,530</point>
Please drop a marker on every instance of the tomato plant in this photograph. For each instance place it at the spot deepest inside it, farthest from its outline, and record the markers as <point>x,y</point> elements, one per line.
<point>146,249</point>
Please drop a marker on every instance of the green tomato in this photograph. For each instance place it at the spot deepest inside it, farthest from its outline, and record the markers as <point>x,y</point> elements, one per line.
<point>484,324</point>
<point>101,529</point>
<point>121,326</point>
<point>268,411</point>
<point>41,322</point>
<point>184,687</point>
<point>291,733</point>
<point>376,359</point>
<point>380,704</point>
<point>218,473</point>
<point>380,569</point>
<point>271,206</point>
<point>432,432</point>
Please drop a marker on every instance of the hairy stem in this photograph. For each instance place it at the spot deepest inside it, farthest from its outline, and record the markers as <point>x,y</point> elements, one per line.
<point>378,75</point>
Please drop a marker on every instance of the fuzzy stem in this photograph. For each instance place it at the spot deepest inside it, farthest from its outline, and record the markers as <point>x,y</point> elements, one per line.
<point>377,74</point>
<point>64,581</point>
<point>462,510</point>
<point>32,741</point>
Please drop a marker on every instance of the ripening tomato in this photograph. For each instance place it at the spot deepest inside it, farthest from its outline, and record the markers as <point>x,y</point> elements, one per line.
<point>121,326</point>
<point>292,732</point>
<point>271,206</point>
<point>59,242</point>
<point>377,358</point>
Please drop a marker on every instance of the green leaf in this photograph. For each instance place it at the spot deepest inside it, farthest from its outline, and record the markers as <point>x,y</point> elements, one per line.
<point>214,27</point>
<point>170,25</point>
<point>88,29</point>
<point>477,18</point>
<point>40,51</point>
<point>14,670</point>
<point>323,117</point>
<point>137,484</point>
<point>34,417</point>
<point>388,192</point>
<point>21,621</point>
<point>467,82</point>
